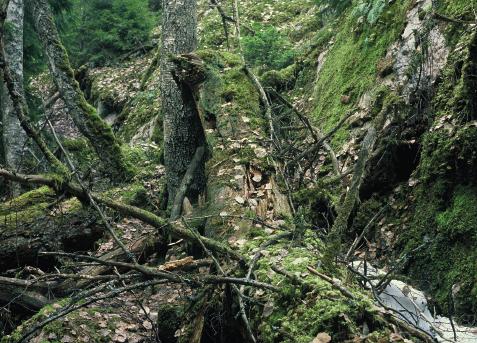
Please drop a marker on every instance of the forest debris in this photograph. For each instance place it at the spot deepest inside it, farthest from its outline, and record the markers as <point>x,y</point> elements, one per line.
<point>322,337</point>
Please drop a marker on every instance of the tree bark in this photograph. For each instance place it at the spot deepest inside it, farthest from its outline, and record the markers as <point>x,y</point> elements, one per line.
<point>183,131</point>
<point>14,138</point>
<point>83,114</point>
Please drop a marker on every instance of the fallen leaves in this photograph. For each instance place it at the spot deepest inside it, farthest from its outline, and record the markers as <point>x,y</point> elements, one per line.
<point>322,337</point>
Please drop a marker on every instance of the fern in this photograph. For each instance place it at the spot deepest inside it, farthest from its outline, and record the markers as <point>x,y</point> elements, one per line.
<point>369,9</point>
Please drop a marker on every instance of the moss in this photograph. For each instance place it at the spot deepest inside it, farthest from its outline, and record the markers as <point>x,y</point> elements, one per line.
<point>444,225</point>
<point>25,200</point>
<point>169,321</point>
<point>351,66</point>
<point>25,208</point>
<point>135,195</point>
<point>459,221</point>
<point>141,110</point>
<point>280,80</point>
<point>296,313</point>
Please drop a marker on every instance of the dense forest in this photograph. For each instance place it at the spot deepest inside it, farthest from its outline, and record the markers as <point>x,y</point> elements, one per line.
<point>238,171</point>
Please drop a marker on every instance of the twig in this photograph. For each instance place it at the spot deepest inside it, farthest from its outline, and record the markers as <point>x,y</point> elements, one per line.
<point>365,230</point>
<point>452,20</point>
<point>63,312</point>
<point>105,221</point>
<point>294,279</point>
<point>333,283</point>
<point>237,291</point>
<point>318,145</point>
<point>224,18</point>
<point>175,278</point>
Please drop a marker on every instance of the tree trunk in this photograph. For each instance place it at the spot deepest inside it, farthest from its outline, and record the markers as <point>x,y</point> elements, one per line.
<point>14,138</point>
<point>183,131</point>
<point>83,114</point>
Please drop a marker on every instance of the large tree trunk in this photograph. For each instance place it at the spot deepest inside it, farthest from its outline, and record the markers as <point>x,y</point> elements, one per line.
<point>14,138</point>
<point>83,114</point>
<point>183,131</point>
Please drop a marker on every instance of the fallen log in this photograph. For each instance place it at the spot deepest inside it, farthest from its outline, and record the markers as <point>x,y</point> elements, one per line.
<point>22,237</point>
<point>28,294</point>
<point>175,229</point>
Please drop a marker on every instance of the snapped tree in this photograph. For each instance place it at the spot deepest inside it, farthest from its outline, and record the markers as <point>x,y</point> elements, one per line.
<point>83,114</point>
<point>183,131</point>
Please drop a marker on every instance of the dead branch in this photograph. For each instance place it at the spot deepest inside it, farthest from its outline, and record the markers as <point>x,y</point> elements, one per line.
<point>262,247</point>
<point>192,279</point>
<point>71,308</point>
<point>150,70</point>
<point>175,228</point>
<point>186,182</point>
<point>93,203</point>
<point>237,291</point>
<point>225,19</point>
<point>293,278</point>
<point>335,284</point>
<point>452,20</point>
<point>363,233</point>
<point>318,145</point>
<point>263,99</point>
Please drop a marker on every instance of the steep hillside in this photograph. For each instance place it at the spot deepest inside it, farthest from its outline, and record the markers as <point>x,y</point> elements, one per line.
<point>344,179</point>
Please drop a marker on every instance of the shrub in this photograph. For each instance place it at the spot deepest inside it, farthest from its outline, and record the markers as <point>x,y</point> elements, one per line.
<point>268,48</point>
<point>98,31</point>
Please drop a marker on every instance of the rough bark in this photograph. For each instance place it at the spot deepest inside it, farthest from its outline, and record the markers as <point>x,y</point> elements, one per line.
<point>14,138</point>
<point>83,114</point>
<point>183,131</point>
<point>19,102</point>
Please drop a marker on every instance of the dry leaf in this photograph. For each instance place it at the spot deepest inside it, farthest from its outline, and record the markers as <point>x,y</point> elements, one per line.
<point>257,176</point>
<point>322,337</point>
<point>240,200</point>
<point>268,309</point>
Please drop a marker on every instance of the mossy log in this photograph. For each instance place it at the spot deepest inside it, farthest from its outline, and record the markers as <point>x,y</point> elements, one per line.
<point>83,114</point>
<point>175,229</point>
<point>25,233</point>
<point>345,211</point>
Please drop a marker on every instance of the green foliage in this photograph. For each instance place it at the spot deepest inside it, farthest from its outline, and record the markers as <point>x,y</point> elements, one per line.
<point>101,30</point>
<point>370,9</point>
<point>335,7</point>
<point>268,48</point>
<point>351,64</point>
<point>460,220</point>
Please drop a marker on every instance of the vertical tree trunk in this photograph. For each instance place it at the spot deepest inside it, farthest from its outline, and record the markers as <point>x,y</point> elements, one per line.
<point>183,131</point>
<point>14,138</point>
<point>84,115</point>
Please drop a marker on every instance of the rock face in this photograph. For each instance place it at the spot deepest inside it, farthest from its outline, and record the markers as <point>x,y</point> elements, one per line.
<point>422,37</point>
<point>413,307</point>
